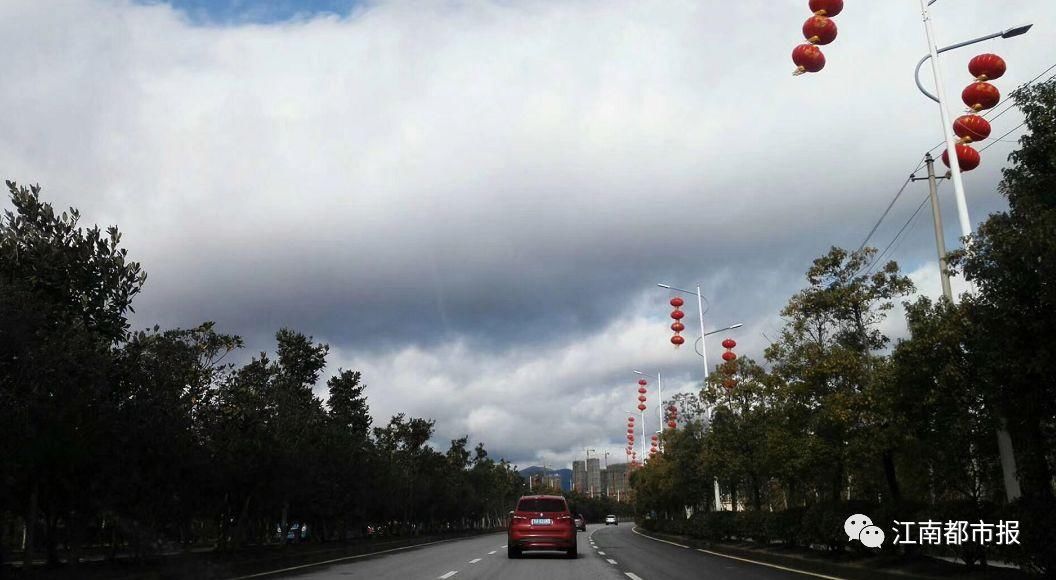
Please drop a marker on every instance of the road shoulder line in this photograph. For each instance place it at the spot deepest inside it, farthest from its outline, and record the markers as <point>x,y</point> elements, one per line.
<point>767,564</point>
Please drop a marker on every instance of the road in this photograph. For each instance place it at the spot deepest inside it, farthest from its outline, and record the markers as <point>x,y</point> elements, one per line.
<point>605,553</point>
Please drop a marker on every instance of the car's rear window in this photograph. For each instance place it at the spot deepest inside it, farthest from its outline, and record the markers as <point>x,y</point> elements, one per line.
<point>541,505</point>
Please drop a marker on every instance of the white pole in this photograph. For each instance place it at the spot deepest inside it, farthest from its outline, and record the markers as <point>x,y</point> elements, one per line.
<point>947,127</point>
<point>660,402</point>
<point>704,355</point>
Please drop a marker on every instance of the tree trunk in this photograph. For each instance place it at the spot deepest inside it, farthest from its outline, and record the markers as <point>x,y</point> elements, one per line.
<point>31,526</point>
<point>888,458</point>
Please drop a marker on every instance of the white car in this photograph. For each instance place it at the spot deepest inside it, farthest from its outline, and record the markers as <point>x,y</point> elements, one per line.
<point>611,519</point>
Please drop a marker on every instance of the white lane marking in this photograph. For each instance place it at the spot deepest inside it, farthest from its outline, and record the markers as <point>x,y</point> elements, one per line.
<point>635,530</point>
<point>772,565</point>
<point>492,552</point>
<point>355,557</point>
<point>600,553</point>
<point>611,561</point>
<point>449,574</point>
<point>504,545</point>
<point>474,560</point>
<point>633,576</point>
<point>786,569</point>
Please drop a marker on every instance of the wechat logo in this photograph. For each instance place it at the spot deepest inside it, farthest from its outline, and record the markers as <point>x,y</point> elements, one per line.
<point>860,527</point>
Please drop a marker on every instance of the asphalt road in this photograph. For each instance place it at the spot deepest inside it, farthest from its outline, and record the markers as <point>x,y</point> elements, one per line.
<point>605,553</point>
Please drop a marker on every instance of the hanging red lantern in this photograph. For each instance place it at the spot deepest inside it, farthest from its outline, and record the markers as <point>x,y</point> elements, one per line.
<point>677,302</point>
<point>987,67</point>
<point>677,340</point>
<point>672,424</point>
<point>641,398</point>
<point>967,158</point>
<point>677,314</point>
<point>729,356</point>
<point>729,343</point>
<point>808,59</point>
<point>643,382</point>
<point>642,390</point>
<point>819,30</point>
<point>678,326</point>
<point>971,128</point>
<point>828,8</point>
<point>980,95</point>
<point>642,407</point>
<point>630,430</point>
<point>630,419</point>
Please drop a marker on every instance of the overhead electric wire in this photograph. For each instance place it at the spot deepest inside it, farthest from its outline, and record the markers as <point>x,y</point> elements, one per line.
<point>1012,130</point>
<point>881,255</point>
<point>886,211</point>
<point>941,143</point>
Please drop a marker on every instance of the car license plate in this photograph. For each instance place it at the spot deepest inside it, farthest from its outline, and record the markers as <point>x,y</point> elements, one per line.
<point>542,522</point>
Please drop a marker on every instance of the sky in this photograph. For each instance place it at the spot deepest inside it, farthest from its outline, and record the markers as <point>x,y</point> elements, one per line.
<point>472,201</point>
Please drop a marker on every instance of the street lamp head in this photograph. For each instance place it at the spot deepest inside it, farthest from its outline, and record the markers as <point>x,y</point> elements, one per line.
<point>738,325</point>
<point>664,286</point>
<point>638,372</point>
<point>1016,31</point>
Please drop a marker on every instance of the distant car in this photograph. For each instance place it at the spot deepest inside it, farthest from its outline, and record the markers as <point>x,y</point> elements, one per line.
<point>297,533</point>
<point>581,523</point>
<point>611,519</point>
<point>541,522</point>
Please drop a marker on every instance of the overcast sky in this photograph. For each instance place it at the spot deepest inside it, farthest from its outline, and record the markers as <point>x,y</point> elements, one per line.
<point>471,201</point>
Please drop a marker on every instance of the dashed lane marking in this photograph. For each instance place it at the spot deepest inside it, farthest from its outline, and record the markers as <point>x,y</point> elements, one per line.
<point>611,561</point>
<point>633,576</point>
<point>449,574</point>
<point>600,553</point>
<point>474,560</point>
<point>492,552</point>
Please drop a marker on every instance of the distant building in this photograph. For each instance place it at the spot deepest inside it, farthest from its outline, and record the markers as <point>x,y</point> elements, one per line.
<point>593,477</point>
<point>553,481</point>
<point>579,477</point>
<point>616,481</point>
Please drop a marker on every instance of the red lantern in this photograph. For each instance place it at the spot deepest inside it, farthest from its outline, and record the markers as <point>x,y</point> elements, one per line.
<point>677,314</point>
<point>828,8</point>
<point>729,343</point>
<point>729,356</point>
<point>819,30</point>
<point>808,58</point>
<point>967,158</point>
<point>672,424</point>
<point>641,398</point>
<point>641,407</point>
<point>980,95</point>
<point>971,128</point>
<point>642,390</point>
<point>642,382</point>
<point>987,67</point>
<point>677,340</point>
<point>677,302</point>
<point>630,419</point>
<point>678,326</point>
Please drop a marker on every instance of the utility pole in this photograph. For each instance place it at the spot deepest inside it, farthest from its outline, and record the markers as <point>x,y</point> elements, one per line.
<point>940,242</point>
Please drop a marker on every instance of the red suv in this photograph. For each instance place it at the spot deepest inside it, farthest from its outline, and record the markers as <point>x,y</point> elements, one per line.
<point>541,522</point>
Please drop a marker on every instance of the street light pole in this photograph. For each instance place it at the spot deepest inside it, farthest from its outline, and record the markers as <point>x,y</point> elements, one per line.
<point>704,356</point>
<point>1004,440</point>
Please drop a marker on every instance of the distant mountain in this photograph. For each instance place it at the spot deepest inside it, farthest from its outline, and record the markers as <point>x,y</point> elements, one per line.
<point>566,475</point>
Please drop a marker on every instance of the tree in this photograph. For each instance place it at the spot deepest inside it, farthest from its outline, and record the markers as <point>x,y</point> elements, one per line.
<point>1013,310</point>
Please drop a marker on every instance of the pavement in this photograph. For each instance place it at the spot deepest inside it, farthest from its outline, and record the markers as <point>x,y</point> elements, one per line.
<point>605,553</point>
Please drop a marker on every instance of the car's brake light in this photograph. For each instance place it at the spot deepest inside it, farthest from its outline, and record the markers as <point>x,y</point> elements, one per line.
<point>564,517</point>
<point>515,518</point>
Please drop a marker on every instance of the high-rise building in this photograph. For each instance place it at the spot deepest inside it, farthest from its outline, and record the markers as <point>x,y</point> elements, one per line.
<point>616,481</point>
<point>593,488</point>
<point>579,477</point>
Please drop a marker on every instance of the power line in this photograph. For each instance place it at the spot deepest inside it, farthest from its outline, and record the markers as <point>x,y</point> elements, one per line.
<point>888,210</point>
<point>995,141</point>
<point>881,255</point>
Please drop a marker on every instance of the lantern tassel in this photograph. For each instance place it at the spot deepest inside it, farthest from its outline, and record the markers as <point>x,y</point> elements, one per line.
<point>799,70</point>
<point>814,39</point>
